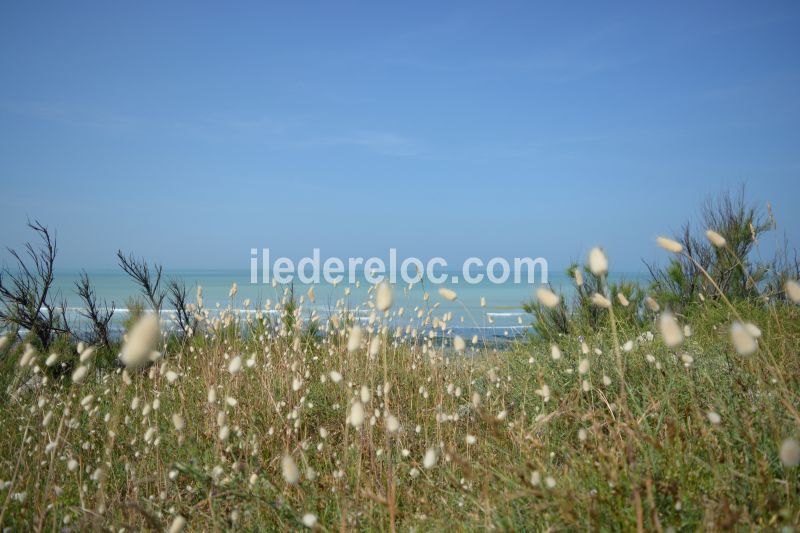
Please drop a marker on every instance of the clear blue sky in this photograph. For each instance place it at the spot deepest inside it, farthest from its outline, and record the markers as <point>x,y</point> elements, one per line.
<point>189,132</point>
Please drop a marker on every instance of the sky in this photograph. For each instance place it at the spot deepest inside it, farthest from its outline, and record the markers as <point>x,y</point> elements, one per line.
<point>191,132</point>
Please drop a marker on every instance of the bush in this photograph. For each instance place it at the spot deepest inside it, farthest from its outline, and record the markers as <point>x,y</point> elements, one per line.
<point>733,268</point>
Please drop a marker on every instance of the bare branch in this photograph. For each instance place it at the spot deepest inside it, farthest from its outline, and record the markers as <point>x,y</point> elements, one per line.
<point>178,298</point>
<point>149,282</point>
<point>25,289</point>
<point>98,316</point>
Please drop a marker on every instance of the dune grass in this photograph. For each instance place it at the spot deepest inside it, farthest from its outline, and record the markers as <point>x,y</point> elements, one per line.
<point>247,425</point>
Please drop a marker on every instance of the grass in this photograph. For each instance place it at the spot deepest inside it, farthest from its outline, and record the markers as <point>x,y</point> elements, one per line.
<point>629,444</point>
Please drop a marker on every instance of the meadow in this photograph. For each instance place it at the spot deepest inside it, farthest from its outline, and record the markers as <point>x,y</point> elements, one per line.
<point>666,407</point>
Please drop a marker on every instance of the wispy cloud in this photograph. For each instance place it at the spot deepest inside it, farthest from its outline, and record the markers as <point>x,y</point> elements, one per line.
<point>384,143</point>
<point>204,127</point>
<point>69,114</point>
<point>222,128</point>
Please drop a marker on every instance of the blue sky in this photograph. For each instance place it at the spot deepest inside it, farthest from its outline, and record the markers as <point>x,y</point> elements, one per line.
<point>190,132</point>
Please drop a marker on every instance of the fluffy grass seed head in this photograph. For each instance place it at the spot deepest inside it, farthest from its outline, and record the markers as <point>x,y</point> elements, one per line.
<point>178,524</point>
<point>384,297</point>
<point>547,297</point>
<point>429,460</point>
<point>356,414</point>
<point>598,262</point>
<point>309,520</point>
<point>743,339</point>
<point>178,422</point>
<point>80,374</point>
<point>28,356</point>
<point>600,300</point>
<point>715,238</point>
<point>235,365</point>
<point>447,294</point>
<point>291,474</point>
<point>354,340</point>
<point>142,340</point>
<point>555,352</point>
<point>86,354</point>
<point>790,453</point>
<point>374,346</point>
<point>793,290</point>
<point>459,344</point>
<point>628,346</point>
<point>670,245</point>
<point>670,330</point>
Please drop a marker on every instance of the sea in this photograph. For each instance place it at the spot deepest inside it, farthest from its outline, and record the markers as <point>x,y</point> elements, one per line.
<point>486,309</point>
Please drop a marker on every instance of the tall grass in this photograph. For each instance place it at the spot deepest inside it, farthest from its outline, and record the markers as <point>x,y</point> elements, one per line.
<point>291,420</point>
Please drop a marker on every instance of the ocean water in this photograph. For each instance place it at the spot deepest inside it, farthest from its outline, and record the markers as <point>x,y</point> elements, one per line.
<point>502,316</point>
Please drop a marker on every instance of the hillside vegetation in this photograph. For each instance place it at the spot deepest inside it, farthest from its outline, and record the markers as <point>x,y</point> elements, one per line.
<point>667,407</point>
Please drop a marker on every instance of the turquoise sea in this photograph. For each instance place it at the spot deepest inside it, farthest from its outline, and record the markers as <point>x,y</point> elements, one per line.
<point>502,315</point>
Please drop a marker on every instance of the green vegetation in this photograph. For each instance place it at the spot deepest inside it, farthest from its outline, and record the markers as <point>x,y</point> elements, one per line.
<point>619,414</point>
